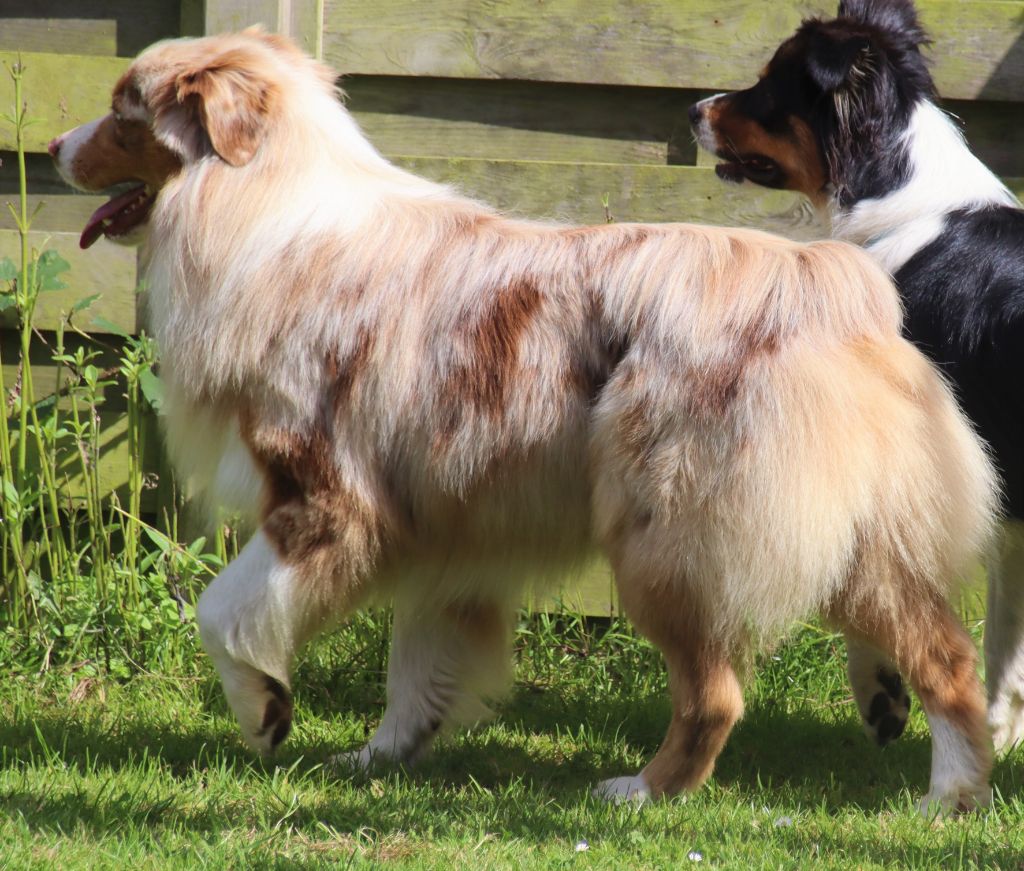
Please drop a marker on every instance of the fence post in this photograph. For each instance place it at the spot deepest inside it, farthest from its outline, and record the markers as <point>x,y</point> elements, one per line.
<point>300,19</point>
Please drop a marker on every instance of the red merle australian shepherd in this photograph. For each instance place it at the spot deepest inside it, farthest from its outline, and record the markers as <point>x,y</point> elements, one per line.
<point>423,399</point>
<point>845,113</point>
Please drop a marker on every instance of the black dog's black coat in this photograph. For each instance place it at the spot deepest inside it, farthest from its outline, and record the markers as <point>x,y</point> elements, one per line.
<point>964,298</point>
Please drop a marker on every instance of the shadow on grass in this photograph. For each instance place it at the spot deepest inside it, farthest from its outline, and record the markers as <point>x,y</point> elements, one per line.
<point>813,755</point>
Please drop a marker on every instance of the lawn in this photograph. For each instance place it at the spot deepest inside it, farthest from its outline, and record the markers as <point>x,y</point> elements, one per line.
<point>149,772</point>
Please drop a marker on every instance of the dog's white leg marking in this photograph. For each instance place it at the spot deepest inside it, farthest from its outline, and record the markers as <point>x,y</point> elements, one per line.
<point>440,663</point>
<point>1004,638</point>
<point>249,620</point>
<point>958,783</point>
<point>879,691</point>
<point>622,789</point>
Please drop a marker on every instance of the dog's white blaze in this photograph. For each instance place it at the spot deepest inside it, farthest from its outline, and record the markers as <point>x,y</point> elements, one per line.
<point>70,143</point>
<point>704,133</point>
<point>1004,638</point>
<point>944,176</point>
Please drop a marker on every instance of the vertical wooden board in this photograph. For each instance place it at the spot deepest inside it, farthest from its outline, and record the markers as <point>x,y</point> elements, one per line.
<point>523,120</point>
<point>106,269</point>
<point>61,91</point>
<point>299,19</point>
<point>720,44</point>
<point>102,27</point>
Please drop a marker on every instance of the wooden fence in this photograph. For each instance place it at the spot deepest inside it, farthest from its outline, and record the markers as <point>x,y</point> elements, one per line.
<point>553,108</point>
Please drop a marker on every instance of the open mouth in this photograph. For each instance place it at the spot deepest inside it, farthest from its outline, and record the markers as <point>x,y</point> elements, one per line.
<point>756,168</point>
<point>122,213</point>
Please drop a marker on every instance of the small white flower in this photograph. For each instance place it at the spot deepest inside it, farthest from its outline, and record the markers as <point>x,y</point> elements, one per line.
<point>695,856</point>
<point>582,846</point>
<point>783,822</point>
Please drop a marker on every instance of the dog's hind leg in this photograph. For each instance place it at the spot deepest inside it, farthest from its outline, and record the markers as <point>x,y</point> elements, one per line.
<point>707,698</point>
<point>915,626</point>
<point>442,661</point>
<point>878,689</point>
<point>1004,638</point>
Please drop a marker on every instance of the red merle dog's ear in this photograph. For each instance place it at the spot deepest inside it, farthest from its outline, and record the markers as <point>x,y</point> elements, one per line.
<point>232,101</point>
<point>837,59</point>
<point>222,104</point>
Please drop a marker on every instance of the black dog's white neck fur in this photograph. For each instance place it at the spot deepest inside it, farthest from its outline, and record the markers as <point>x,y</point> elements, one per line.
<point>943,176</point>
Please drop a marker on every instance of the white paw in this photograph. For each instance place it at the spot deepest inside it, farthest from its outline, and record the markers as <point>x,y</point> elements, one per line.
<point>940,804</point>
<point>623,789</point>
<point>261,704</point>
<point>1006,719</point>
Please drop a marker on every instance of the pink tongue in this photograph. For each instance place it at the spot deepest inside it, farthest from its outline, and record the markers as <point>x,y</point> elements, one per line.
<point>94,226</point>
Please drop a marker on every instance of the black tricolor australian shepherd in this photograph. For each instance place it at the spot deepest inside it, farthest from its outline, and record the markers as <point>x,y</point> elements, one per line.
<point>845,113</point>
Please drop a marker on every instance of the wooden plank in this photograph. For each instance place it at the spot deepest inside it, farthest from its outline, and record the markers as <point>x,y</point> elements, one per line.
<point>61,91</point>
<point>114,461</point>
<point>995,132</point>
<point>45,371</point>
<point>107,269</point>
<point>523,120</point>
<point>574,192</point>
<point>99,27</point>
<point>978,47</point>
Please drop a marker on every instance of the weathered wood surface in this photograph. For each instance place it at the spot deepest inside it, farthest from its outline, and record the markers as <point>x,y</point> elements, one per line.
<point>61,91</point>
<point>106,269</point>
<point>114,460</point>
<point>523,120</point>
<point>101,27</point>
<point>978,49</point>
<point>514,120</point>
<point>300,19</point>
<point>45,377</point>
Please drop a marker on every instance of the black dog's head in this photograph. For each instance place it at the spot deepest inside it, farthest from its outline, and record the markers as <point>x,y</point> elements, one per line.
<point>827,115</point>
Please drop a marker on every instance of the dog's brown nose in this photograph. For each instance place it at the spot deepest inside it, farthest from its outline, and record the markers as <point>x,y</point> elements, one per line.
<point>54,146</point>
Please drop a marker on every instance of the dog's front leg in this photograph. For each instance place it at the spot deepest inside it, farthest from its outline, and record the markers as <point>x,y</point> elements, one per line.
<point>1004,638</point>
<point>261,609</point>
<point>444,659</point>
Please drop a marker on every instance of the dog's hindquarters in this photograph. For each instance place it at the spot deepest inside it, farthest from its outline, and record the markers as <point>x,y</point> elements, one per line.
<point>837,479</point>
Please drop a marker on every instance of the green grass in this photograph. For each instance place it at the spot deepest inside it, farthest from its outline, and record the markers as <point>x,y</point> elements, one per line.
<point>149,773</point>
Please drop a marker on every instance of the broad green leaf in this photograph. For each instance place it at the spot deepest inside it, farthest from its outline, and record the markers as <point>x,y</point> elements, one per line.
<point>110,327</point>
<point>85,303</point>
<point>8,271</point>
<point>152,388</point>
<point>51,264</point>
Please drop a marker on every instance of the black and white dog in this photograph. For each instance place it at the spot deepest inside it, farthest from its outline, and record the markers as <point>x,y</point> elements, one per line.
<point>845,113</point>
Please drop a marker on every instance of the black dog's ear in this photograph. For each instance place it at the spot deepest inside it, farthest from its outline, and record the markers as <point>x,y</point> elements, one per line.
<point>833,58</point>
<point>895,17</point>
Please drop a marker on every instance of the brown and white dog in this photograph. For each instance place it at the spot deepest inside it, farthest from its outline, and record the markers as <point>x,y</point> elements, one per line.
<point>433,401</point>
